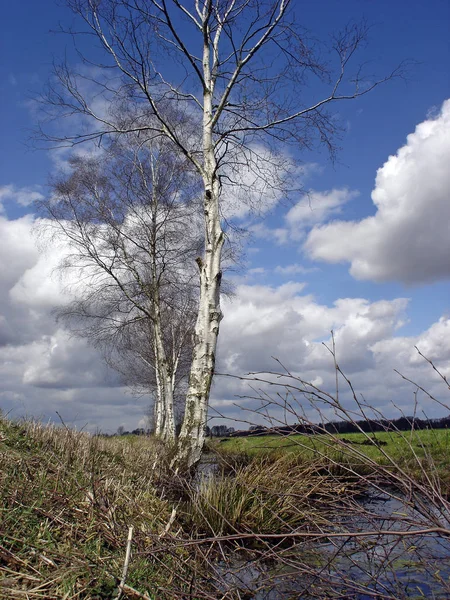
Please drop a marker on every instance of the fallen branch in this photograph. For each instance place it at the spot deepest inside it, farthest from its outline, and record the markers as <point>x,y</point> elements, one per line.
<point>307,535</point>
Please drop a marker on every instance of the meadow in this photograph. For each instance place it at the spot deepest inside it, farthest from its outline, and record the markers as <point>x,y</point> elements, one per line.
<point>416,451</point>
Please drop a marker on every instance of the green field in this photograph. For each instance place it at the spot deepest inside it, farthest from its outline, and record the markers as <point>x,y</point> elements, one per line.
<point>420,453</point>
<point>397,443</point>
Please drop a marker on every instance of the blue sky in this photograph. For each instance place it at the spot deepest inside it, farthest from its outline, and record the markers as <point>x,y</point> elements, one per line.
<point>376,127</point>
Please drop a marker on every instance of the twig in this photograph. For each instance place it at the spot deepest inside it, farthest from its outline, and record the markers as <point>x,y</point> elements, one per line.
<point>125,564</point>
<point>69,431</point>
<point>169,523</point>
<point>132,592</point>
<point>47,560</point>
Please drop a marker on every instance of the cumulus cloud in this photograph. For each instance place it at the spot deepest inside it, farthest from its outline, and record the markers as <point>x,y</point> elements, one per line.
<point>39,285</point>
<point>254,181</point>
<point>264,321</point>
<point>256,178</point>
<point>61,362</point>
<point>17,254</point>
<point>44,370</point>
<point>312,208</point>
<point>294,269</point>
<point>408,238</point>
<point>257,271</point>
<point>315,207</point>
<point>279,235</point>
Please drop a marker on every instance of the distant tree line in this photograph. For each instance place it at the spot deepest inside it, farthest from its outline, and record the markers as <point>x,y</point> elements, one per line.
<point>215,431</point>
<point>366,425</point>
<point>219,431</point>
<point>122,431</point>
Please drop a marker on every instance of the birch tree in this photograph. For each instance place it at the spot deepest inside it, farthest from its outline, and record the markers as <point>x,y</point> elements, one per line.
<point>124,215</point>
<point>217,79</point>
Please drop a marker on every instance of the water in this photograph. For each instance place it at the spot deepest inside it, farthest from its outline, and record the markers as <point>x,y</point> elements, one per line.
<point>418,566</point>
<point>387,566</point>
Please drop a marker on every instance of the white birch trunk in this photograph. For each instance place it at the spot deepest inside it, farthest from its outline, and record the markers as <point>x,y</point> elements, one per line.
<point>192,436</point>
<point>158,412</point>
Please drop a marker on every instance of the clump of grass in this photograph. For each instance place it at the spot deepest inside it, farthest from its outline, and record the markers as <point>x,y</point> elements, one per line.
<point>271,494</point>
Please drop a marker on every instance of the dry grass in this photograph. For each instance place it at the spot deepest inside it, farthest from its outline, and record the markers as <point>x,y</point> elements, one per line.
<point>67,501</point>
<point>271,494</point>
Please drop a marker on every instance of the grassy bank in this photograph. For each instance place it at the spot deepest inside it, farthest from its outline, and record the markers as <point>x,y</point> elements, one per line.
<point>68,501</point>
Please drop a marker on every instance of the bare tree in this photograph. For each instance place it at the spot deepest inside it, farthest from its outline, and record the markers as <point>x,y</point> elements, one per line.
<point>219,80</point>
<point>125,216</point>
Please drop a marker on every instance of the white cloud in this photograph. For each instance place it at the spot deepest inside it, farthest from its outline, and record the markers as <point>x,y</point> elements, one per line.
<point>43,370</point>
<point>315,207</point>
<point>294,269</point>
<point>408,239</point>
<point>39,285</point>
<point>254,181</point>
<point>24,196</point>
<point>279,235</point>
<point>63,362</point>
<point>257,271</point>
<point>262,322</point>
